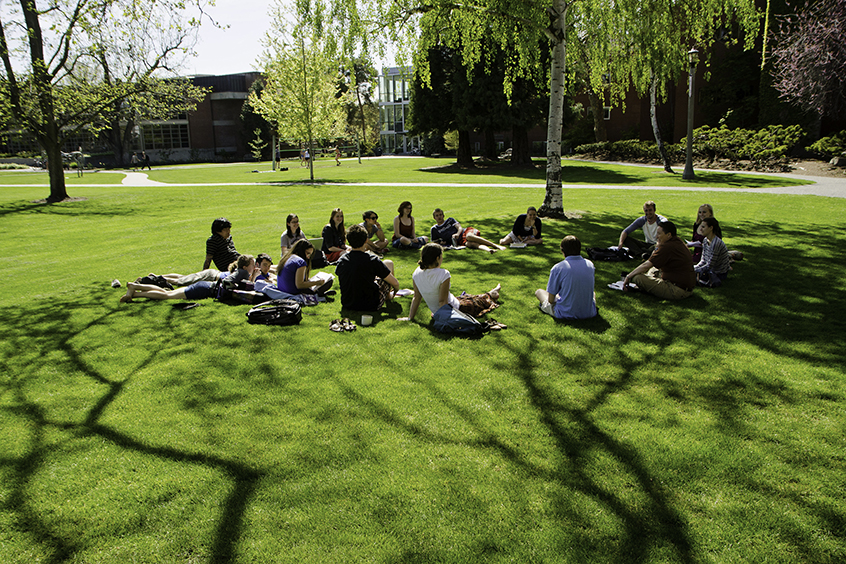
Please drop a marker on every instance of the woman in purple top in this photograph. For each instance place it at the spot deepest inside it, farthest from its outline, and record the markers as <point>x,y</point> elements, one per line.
<point>292,273</point>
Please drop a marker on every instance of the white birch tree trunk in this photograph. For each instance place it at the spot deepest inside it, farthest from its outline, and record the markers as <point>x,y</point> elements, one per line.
<point>553,204</point>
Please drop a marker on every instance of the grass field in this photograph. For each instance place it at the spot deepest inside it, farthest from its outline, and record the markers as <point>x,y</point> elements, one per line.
<point>710,430</point>
<point>417,170</point>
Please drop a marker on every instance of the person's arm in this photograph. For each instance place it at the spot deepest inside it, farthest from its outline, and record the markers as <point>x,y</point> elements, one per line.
<point>413,230</point>
<point>537,228</point>
<point>519,227</point>
<point>301,280</point>
<point>623,235</point>
<point>643,268</point>
<point>379,233</point>
<point>443,293</point>
<point>415,303</point>
<point>631,229</point>
<point>207,262</point>
<point>392,280</point>
<point>329,234</point>
<point>397,228</point>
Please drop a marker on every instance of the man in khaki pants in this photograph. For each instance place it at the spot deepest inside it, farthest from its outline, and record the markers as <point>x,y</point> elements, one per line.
<point>668,273</point>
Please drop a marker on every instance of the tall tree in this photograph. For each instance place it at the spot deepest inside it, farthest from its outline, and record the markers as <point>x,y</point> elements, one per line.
<point>51,93</point>
<point>299,93</point>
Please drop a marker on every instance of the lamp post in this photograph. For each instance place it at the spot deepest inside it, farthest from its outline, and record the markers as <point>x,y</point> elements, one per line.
<point>693,59</point>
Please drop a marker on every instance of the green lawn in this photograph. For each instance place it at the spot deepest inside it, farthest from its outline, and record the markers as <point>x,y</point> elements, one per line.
<point>417,170</point>
<point>710,430</point>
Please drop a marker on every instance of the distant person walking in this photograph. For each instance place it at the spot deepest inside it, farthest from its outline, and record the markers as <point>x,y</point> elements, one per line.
<point>134,162</point>
<point>145,161</point>
<point>337,156</point>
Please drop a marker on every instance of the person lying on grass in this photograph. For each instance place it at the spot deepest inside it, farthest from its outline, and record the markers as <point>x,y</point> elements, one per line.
<point>240,270</point>
<point>449,233</point>
<point>432,285</point>
<point>294,269</point>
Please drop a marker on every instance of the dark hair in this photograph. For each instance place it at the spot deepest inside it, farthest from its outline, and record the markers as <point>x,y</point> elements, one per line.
<point>571,246</point>
<point>429,255</point>
<point>262,257</point>
<point>436,211</point>
<point>714,224</point>
<point>370,214</point>
<point>356,235</point>
<point>532,208</point>
<point>288,226</point>
<point>402,206</point>
<point>299,248</point>
<point>220,224</point>
<point>668,227</point>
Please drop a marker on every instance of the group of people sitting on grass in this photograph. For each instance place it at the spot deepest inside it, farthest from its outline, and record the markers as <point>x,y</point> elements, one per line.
<point>367,282</point>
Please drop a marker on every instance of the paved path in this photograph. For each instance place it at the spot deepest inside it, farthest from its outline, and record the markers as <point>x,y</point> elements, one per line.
<point>826,186</point>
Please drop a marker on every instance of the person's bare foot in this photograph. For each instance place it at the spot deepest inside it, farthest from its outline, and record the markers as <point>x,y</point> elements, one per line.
<point>126,298</point>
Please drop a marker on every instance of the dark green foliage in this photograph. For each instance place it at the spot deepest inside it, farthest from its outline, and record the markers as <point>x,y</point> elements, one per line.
<point>828,147</point>
<point>767,144</point>
<point>630,150</point>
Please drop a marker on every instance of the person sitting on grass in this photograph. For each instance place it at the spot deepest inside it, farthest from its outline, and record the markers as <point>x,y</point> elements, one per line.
<point>219,247</point>
<point>649,223</point>
<point>334,236</point>
<point>367,282</point>
<point>713,268</point>
<point>432,285</point>
<point>292,234</point>
<point>294,268</point>
<point>264,268</point>
<point>372,228</point>
<point>405,236</point>
<point>569,292</point>
<point>240,270</point>
<point>526,230</point>
<point>668,273</point>
<point>449,233</point>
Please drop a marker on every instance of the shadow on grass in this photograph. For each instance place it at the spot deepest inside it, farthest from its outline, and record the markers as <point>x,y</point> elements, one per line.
<point>87,208</point>
<point>51,331</point>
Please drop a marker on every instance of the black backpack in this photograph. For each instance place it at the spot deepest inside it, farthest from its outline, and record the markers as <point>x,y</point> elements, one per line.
<point>608,254</point>
<point>276,312</point>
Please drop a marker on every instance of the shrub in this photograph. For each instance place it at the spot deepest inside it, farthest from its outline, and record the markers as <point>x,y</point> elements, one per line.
<point>828,147</point>
<point>770,143</point>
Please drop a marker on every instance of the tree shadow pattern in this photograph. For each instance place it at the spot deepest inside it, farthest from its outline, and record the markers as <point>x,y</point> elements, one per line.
<point>577,429</point>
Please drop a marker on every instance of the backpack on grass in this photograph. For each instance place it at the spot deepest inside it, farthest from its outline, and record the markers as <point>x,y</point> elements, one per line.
<point>276,312</point>
<point>608,254</point>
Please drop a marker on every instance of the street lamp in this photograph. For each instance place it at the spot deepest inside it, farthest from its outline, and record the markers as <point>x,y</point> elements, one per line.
<point>693,59</point>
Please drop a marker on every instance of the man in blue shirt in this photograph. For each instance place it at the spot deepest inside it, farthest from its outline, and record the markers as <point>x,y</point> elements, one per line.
<point>569,293</point>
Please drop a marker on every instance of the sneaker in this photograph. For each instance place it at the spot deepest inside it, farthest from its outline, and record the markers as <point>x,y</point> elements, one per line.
<point>115,283</point>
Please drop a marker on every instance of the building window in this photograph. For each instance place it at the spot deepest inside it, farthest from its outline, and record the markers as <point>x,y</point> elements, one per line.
<point>606,113</point>
<point>166,136</point>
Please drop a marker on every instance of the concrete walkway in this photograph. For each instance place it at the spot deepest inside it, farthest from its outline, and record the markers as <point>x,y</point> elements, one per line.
<point>831,187</point>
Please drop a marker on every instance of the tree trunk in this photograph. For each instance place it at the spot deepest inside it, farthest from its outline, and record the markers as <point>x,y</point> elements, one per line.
<point>465,155</point>
<point>553,203</point>
<point>653,116</point>
<point>491,152</point>
<point>597,109</point>
<point>520,154</point>
<point>55,168</point>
